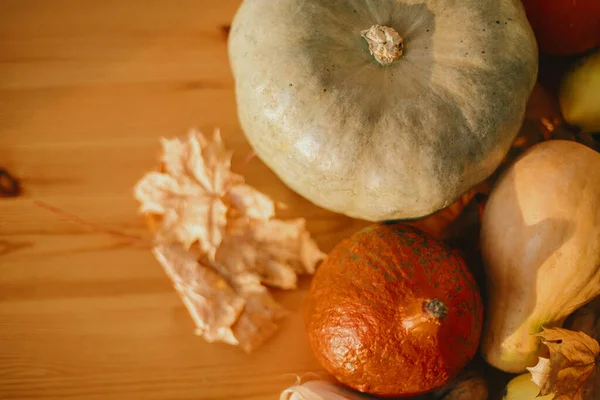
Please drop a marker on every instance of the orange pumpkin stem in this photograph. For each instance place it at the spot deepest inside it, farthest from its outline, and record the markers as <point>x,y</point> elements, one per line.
<point>436,308</point>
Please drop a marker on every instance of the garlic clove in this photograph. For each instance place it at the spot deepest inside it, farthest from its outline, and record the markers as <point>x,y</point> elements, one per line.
<point>320,390</point>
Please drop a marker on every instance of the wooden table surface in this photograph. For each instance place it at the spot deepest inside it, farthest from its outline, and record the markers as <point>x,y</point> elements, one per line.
<point>87,87</point>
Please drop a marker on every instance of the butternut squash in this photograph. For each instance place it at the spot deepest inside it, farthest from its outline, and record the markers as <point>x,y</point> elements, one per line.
<point>540,243</point>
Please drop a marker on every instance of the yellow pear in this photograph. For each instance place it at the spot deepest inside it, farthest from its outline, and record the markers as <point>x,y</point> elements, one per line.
<point>580,94</point>
<point>523,388</point>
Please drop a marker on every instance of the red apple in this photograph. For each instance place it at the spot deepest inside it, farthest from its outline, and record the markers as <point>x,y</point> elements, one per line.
<point>565,26</point>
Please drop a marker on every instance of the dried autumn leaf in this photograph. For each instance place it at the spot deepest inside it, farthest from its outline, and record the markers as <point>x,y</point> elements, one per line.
<point>586,319</point>
<point>256,324</point>
<point>274,250</point>
<point>212,303</point>
<point>541,373</point>
<point>248,202</point>
<point>572,361</point>
<point>189,190</point>
<point>220,314</point>
<point>219,241</point>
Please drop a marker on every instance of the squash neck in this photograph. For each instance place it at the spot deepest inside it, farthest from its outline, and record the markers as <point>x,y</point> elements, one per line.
<point>385,44</point>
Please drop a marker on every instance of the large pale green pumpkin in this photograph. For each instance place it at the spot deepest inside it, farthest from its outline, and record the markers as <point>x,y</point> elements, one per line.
<point>382,109</point>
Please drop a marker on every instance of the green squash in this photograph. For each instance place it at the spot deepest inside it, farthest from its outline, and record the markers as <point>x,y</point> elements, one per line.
<point>382,109</point>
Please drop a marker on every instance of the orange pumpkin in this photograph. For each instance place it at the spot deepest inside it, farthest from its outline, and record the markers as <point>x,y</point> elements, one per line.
<point>393,312</point>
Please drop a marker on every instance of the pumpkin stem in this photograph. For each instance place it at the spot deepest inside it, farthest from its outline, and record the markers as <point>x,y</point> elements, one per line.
<point>385,44</point>
<point>436,308</point>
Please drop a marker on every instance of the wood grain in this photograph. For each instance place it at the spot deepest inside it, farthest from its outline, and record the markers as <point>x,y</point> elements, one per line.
<point>86,89</point>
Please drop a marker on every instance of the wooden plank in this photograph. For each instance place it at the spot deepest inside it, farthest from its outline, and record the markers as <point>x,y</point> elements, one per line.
<point>87,87</point>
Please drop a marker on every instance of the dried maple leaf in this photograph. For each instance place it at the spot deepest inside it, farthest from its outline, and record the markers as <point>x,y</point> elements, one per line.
<point>248,202</point>
<point>218,240</point>
<point>189,191</point>
<point>256,324</point>
<point>571,364</point>
<point>212,303</point>
<point>586,319</point>
<point>219,313</point>
<point>540,374</point>
<point>274,250</point>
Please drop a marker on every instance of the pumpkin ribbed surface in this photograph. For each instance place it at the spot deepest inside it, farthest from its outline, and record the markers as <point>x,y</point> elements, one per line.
<point>382,109</point>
